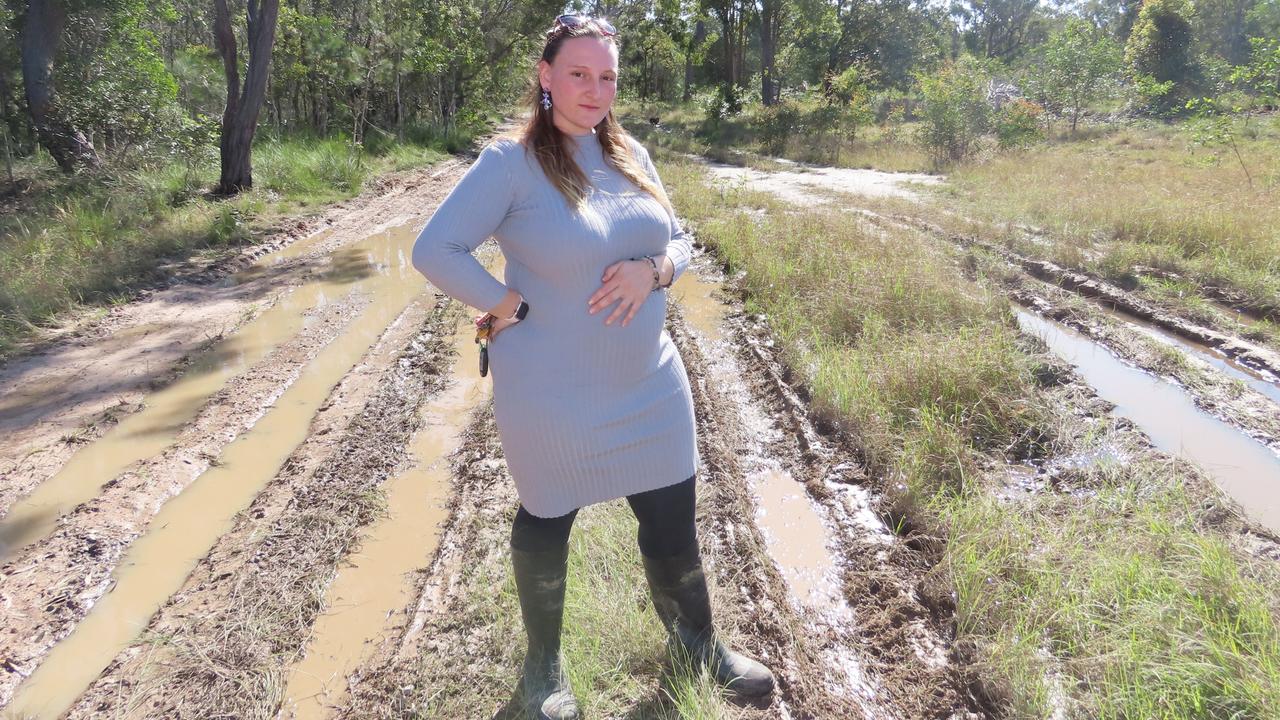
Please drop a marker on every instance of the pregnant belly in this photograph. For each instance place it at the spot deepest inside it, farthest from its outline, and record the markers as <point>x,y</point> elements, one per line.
<point>567,347</point>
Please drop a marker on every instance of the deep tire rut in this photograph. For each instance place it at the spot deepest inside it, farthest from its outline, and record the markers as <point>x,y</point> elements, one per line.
<point>245,612</point>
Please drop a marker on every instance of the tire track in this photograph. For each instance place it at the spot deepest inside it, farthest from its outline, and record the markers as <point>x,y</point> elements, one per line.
<point>52,584</point>
<point>246,611</point>
<point>76,389</point>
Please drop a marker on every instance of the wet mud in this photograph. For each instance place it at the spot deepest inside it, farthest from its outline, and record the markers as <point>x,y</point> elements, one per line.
<point>806,575</point>
<point>246,611</point>
<point>326,285</point>
<point>78,386</point>
<point>1233,395</point>
<point>50,585</point>
<point>1248,353</point>
<point>1237,442</point>
<point>1242,467</point>
<point>370,596</point>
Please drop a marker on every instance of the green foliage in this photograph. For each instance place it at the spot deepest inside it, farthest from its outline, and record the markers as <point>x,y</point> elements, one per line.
<point>1018,124</point>
<point>776,123</point>
<point>1262,75</point>
<point>956,112</point>
<point>853,90</point>
<point>202,88</point>
<point>112,81</point>
<point>1160,56</point>
<point>1077,60</point>
<point>1213,125</point>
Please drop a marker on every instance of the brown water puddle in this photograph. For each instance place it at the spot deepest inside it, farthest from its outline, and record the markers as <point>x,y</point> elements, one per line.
<point>699,301</point>
<point>796,539</point>
<point>792,527</point>
<point>1244,468</point>
<point>1260,380</point>
<point>792,524</point>
<point>150,430</point>
<point>376,585</point>
<point>156,564</point>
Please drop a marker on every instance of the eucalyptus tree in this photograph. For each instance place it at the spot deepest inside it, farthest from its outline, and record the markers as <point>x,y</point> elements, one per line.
<point>41,39</point>
<point>773,17</point>
<point>1001,29</point>
<point>244,101</point>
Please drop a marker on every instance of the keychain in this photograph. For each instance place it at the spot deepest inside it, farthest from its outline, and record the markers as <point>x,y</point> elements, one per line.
<point>484,324</point>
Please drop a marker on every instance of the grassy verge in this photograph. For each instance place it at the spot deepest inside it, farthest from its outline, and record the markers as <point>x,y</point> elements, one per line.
<point>89,240</point>
<point>1119,592</point>
<point>1145,208</point>
<point>739,139</point>
<point>606,618</point>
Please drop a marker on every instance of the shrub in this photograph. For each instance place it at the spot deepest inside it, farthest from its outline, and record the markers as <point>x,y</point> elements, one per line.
<point>1018,124</point>
<point>955,112</point>
<point>776,123</point>
<point>1160,56</point>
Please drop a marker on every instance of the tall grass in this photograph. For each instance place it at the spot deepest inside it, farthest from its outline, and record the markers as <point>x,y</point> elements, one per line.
<point>686,128</point>
<point>612,640</point>
<point>1144,196</point>
<point>89,240</point>
<point>1117,593</point>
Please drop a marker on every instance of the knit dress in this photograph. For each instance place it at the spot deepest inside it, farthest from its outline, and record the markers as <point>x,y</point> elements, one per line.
<point>586,412</point>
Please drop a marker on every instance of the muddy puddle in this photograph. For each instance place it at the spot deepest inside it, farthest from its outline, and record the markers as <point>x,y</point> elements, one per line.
<point>1260,380</point>
<point>373,592</point>
<point>155,565</point>
<point>1244,468</point>
<point>794,527</point>
<point>362,267</point>
<point>797,187</point>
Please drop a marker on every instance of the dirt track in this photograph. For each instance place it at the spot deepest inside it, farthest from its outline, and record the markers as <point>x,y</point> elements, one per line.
<point>854,619</point>
<point>224,637</point>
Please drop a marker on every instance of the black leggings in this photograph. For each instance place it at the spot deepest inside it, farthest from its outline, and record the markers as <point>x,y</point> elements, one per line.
<point>665,515</point>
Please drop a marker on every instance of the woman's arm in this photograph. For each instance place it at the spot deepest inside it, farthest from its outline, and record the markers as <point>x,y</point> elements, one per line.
<point>680,245</point>
<point>471,212</point>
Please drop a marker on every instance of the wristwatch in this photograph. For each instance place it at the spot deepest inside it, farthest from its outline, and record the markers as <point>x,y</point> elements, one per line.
<point>521,310</point>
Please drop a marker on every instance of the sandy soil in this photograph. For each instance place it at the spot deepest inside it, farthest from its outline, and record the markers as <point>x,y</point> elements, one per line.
<point>96,371</point>
<point>878,644</point>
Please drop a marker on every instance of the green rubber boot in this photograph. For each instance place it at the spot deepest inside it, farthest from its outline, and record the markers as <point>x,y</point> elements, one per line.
<point>679,590</point>
<point>540,582</point>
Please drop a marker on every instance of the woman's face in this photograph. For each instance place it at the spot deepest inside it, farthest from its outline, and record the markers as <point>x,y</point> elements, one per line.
<point>583,81</point>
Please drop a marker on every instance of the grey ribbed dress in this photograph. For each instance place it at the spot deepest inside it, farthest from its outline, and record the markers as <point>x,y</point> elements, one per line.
<point>586,412</point>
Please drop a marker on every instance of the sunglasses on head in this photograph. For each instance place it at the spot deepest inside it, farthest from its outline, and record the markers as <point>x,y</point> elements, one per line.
<point>572,20</point>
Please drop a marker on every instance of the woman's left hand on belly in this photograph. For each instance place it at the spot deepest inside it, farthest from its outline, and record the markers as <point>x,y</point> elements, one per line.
<point>627,282</point>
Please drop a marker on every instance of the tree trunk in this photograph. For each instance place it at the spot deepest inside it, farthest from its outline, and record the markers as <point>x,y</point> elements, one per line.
<point>240,118</point>
<point>740,50</point>
<point>699,34</point>
<point>770,29</point>
<point>41,36</point>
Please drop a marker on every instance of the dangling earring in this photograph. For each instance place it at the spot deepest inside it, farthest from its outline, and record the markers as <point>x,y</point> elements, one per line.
<point>546,99</point>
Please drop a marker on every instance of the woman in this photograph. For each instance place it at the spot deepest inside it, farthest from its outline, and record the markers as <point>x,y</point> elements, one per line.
<point>589,394</point>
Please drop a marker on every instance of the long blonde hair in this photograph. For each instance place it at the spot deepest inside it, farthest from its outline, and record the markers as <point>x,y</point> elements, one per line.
<point>550,145</point>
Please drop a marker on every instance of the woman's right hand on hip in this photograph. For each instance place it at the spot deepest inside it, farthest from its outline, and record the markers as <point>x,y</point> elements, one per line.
<point>499,325</point>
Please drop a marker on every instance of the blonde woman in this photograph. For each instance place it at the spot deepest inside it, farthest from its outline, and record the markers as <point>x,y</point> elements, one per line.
<point>589,394</point>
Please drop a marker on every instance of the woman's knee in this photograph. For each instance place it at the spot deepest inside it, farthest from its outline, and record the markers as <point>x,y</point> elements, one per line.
<point>667,518</point>
<point>533,534</point>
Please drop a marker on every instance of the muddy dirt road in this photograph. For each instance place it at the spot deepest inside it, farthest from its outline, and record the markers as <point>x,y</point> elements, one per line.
<point>272,489</point>
<point>278,475</point>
